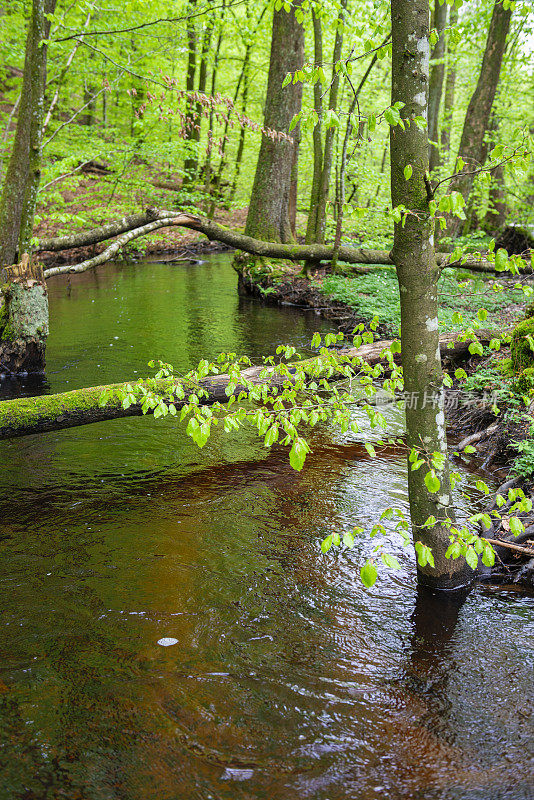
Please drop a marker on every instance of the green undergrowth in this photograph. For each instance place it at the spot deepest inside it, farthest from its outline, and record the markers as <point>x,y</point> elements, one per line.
<point>461,298</point>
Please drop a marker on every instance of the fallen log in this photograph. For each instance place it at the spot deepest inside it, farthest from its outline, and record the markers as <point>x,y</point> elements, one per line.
<point>29,415</point>
<point>363,259</point>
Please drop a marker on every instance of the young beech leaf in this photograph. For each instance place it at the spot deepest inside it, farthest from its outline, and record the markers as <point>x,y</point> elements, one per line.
<point>408,171</point>
<point>432,482</point>
<point>390,561</point>
<point>326,544</point>
<point>368,574</point>
<point>471,558</point>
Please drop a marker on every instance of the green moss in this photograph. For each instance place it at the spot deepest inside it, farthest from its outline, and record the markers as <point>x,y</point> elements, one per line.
<point>529,311</point>
<point>522,346</point>
<point>504,366</point>
<point>524,384</point>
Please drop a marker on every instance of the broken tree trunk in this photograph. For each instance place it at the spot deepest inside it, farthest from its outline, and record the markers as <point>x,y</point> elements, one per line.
<point>23,319</point>
<point>29,415</point>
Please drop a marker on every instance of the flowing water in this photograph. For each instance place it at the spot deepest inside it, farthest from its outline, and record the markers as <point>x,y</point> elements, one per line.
<point>288,679</point>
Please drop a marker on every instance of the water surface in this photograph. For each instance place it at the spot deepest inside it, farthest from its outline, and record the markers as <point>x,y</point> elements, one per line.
<point>288,679</point>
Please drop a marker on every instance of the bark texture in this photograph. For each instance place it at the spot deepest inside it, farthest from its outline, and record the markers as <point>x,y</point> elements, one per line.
<point>450,88</point>
<point>477,118</point>
<point>268,214</point>
<point>417,272</point>
<point>23,320</point>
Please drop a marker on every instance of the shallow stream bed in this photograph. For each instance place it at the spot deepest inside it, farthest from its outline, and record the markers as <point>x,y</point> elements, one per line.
<point>288,679</point>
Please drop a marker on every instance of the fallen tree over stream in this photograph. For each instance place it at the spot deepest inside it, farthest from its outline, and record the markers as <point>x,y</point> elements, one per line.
<point>29,415</point>
<point>131,227</point>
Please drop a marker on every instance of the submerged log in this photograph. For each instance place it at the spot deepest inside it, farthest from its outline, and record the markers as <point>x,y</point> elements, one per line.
<point>23,319</point>
<point>29,415</point>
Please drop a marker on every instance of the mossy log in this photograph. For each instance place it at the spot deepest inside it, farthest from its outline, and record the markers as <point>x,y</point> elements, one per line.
<point>29,415</point>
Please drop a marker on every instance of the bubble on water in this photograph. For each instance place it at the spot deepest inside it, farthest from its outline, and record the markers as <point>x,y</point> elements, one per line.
<point>167,641</point>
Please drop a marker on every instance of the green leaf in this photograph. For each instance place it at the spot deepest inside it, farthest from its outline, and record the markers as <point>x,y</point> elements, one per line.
<point>432,482</point>
<point>488,555</point>
<point>297,454</point>
<point>326,544</point>
<point>516,526</point>
<point>368,574</point>
<point>286,80</point>
<point>390,561</point>
<point>408,171</point>
<point>348,540</point>
<point>471,557</point>
<point>370,449</point>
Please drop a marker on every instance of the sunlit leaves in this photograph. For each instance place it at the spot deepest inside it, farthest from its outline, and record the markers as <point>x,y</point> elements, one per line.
<point>368,574</point>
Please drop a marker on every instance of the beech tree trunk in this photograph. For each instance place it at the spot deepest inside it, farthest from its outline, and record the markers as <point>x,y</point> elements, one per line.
<point>478,113</point>
<point>436,81</point>
<point>311,228</point>
<point>17,205</point>
<point>268,214</point>
<point>417,272</point>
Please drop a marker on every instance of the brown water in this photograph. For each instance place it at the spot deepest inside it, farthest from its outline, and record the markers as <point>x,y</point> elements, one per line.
<point>289,680</point>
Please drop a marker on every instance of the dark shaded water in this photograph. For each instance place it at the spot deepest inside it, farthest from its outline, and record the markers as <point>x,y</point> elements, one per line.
<point>289,680</point>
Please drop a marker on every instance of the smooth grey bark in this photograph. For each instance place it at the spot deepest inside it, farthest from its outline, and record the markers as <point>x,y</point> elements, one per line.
<point>437,75</point>
<point>417,272</point>
<point>268,214</point>
<point>478,113</point>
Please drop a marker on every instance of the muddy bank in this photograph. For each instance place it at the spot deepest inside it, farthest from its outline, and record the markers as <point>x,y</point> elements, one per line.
<point>298,292</point>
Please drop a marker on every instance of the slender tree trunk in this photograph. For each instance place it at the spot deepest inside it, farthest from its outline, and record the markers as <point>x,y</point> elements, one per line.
<point>324,186</point>
<point>191,161</point>
<point>268,214</point>
<point>436,81</point>
<point>242,132</point>
<point>417,272</point>
<point>17,206</point>
<point>211,119</point>
<point>311,229</point>
<point>479,110</point>
<point>450,86</point>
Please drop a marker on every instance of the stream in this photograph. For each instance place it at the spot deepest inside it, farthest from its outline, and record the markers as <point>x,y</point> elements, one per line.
<point>287,678</point>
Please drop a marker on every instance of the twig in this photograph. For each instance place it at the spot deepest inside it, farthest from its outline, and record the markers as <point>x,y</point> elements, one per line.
<point>509,546</point>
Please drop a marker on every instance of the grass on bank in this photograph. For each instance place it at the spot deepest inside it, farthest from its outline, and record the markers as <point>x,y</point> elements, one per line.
<point>377,294</point>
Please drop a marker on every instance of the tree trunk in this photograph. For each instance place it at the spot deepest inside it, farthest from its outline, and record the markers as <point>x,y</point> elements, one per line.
<point>497,209</point>
<point>436,81</point>
<point>23,319</point>
<point>417,272</point>
<point>311,228</point>
<point>268,214</point>
<point>324,186</point>
<point>450,86</point>
<point>478,112</point>
<point>17,206</point>
<point>190,133</point>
